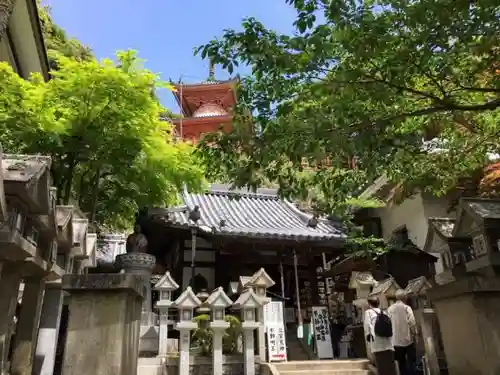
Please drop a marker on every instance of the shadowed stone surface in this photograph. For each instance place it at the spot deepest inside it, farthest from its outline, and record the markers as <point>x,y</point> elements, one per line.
<point>103,326</point>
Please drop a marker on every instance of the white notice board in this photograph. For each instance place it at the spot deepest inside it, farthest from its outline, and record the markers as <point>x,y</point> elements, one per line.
<point>321,327</point>
<point>276,342</point>
<point>273,313</point>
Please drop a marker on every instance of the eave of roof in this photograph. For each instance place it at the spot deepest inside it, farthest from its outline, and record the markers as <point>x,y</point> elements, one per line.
<point>260,215</point>
<point>38,34</point>
<point>205,119</point>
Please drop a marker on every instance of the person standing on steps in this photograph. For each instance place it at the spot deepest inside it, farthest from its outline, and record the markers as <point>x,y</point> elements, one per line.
<point>378,333</point>
<point>403,322</point>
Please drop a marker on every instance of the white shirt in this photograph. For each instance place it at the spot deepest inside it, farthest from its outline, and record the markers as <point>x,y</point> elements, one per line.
<point>379,344</point>
<point>403,322</point>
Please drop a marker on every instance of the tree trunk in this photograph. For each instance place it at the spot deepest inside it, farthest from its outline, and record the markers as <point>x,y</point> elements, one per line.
<point>68,179</point>
<point>95,195</point>
<point>6,8</point>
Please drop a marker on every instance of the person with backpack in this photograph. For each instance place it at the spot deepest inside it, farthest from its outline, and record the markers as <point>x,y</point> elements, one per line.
<point>378,333</point>
<point>403,321</point>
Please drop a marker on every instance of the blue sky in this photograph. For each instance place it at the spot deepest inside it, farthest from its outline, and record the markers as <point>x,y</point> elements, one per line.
<point>164,31</point>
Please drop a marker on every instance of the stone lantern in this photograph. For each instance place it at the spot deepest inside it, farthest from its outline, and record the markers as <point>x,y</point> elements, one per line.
<point>248,302</point>
<point>185,304</point>
<point>385,291</point>
<point>260,282</point>
<point>218,302</point>
<point>363,283</point>
<point>204,308</point>
<point>165,286</point>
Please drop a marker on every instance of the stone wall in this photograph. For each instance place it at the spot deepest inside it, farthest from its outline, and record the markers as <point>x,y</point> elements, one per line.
<point>232,365</point>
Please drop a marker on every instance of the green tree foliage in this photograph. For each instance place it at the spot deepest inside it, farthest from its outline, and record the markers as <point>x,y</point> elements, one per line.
<point>366,81</point>
<point>101,126</point>
<point>58,43</point>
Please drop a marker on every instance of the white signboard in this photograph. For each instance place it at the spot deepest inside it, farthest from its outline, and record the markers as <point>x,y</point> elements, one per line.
<point>321,327</point>
<point>276,342</point>
<point>273,313</point>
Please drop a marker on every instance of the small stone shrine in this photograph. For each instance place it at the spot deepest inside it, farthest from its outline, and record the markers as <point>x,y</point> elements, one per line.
<point>385,291</point>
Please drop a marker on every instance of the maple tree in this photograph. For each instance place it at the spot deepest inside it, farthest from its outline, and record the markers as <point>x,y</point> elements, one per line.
<point>111,152</point>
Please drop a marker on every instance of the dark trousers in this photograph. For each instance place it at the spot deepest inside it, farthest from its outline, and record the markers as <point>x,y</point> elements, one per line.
<point>385,362</point>
<point>406,357</point>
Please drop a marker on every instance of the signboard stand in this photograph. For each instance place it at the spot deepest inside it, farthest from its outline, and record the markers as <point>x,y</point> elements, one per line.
<point>275,330</point>
<point>322,335</point>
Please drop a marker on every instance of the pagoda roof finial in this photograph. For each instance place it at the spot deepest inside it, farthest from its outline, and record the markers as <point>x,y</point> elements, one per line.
<point>211,71</point>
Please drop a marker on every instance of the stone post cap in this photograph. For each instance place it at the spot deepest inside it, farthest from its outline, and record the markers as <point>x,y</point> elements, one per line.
<point>105,282</point>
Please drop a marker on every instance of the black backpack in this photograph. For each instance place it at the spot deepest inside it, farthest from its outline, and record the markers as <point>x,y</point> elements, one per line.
<point>383,325</point>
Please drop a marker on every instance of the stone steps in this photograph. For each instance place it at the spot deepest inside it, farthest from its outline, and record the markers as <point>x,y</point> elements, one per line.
<point>324,367</point>
<point>296,352</point>
<point>333,371</point>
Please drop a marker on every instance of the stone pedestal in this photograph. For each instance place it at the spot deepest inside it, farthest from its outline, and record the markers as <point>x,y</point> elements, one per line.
<point>48,332</point>
<point>9,287</point>
<point>103,326</point>
<point>23,353</point>
<point>142,264</point>
<point>467,311</point>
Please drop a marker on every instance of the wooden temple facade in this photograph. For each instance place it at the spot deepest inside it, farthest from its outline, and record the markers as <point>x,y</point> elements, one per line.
<point>218,236</point>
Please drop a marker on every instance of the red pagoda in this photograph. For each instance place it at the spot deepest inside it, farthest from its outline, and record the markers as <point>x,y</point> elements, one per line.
<point>206,107</point>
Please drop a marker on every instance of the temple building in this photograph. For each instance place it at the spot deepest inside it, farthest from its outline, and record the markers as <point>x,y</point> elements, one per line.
<point>224,236</point>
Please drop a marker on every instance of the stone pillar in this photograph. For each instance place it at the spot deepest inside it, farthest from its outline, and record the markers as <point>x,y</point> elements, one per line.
<point>186,303</point>
<point>48,331</point>
<point>248,351</point>
<point>27,326</point>
<point>165,286</point>
<point>103,326</point>
<point>9,287</point>
<point>218,302</point>
<point>427,319</point>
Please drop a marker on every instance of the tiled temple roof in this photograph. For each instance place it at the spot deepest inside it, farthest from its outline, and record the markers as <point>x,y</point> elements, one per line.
<point>246,214</point>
